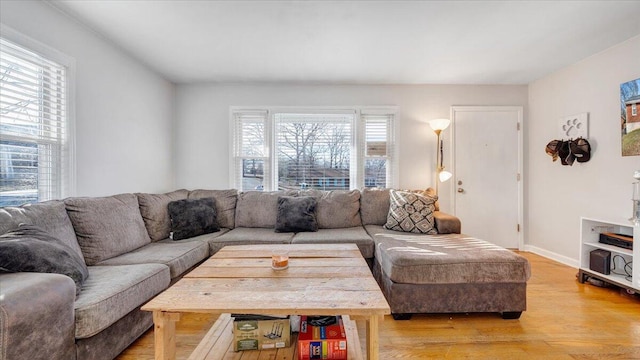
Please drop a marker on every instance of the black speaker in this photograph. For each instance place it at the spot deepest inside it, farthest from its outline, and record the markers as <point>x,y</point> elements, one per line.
<point>600,261</point>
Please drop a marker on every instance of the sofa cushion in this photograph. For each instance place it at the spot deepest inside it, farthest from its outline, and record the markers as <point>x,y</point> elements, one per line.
<point>374,206</point>
<point>411,212</point>
<point>193,217</point>
<point>296,214</point>
<point>48,215</point>
<point>107,226</point>
<point>155,213</point>
<point>249,236</point>
<point>258,209</point>
<point>179,256</point>
<point>377,229</point>
<point>446,259</point>
<point>30,249</point>
<point>111,292</point>
<point>354,235</point>
<point>336,208</point>
<point>210,238</point>
<point>225,204</point>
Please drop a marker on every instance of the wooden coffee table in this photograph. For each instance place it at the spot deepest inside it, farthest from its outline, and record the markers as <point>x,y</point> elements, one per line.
<point>322,279</point>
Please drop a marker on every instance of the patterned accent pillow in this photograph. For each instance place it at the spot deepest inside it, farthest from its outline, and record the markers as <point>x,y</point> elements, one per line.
<point>411,212</point>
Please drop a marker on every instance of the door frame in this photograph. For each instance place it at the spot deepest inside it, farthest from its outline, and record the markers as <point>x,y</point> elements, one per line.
<point>520,175</point>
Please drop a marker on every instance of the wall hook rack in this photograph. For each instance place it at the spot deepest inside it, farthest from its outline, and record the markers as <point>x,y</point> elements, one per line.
<point>569,150</point>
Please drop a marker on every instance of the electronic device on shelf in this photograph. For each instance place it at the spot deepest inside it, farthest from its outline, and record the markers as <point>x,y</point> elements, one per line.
<point>600,261</point>
<point>619,240</point>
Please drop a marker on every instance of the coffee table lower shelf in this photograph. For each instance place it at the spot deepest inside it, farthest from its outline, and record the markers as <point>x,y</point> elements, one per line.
<point>217,344</point>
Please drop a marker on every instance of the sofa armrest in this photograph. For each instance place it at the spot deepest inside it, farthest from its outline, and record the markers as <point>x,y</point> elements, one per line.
<point>446,223</point>
<point>36,316</point>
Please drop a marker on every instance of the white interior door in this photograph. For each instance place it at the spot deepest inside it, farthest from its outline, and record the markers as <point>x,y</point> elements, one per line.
<point>487,162</point>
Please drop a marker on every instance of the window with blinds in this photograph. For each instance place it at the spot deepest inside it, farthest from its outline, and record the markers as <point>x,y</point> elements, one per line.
<point>33,126</point>
<point>318,149</point>
<point>378,149</point>
<point>314,150</point>
<point>251,161</point>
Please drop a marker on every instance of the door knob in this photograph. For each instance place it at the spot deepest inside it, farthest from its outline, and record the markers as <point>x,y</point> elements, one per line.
<point>460,190</point>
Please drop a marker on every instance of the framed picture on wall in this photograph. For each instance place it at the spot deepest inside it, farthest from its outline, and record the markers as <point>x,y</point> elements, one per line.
<point>630,117</point>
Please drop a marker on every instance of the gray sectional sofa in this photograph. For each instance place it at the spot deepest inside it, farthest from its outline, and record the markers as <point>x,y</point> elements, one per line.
<point>124,241</point>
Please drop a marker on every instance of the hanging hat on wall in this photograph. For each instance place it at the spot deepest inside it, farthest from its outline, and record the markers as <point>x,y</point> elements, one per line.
<point>565,154</point>
<point>552,149</point>
<point>581,149</point>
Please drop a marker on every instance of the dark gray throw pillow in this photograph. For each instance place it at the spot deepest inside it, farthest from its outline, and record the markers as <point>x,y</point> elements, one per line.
<point>193,217</point>
<point>31,249</point>
<point>296,214</point>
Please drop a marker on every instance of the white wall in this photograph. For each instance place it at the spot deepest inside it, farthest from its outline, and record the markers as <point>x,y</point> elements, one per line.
<point>202,121</point>
<point>124,112</point>
<point>557,195</point>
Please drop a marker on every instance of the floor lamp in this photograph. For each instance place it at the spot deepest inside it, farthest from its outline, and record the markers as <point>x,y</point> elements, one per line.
<point>441,174</point>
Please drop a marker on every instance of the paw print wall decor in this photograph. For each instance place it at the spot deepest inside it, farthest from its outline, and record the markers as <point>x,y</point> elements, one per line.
<point>573,127</point>
<point>573,145</point>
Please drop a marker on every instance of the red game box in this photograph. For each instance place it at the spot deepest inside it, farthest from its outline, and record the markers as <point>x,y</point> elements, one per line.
<point>322,342</point>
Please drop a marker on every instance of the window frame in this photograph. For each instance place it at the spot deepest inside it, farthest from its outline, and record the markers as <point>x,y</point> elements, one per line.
<point>357,173</point>
<point>67,183</point>
<point>392,156</point>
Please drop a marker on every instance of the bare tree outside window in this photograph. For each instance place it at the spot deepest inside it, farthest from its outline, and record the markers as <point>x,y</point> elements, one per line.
<point>313,151</point>
<point>281,149</point>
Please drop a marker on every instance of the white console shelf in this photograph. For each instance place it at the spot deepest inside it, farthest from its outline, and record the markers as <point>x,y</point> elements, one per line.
<point>590,230</point>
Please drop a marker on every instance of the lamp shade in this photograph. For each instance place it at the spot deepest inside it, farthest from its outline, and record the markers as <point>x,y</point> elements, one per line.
<point>439,124</point>
<point>444,175</point>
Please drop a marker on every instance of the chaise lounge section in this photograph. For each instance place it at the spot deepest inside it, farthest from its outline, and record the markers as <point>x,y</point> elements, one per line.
<point>445,273</point>
<point>417,272</point>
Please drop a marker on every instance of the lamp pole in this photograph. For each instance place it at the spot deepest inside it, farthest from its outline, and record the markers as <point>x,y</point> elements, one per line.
<point>438,125</point>
<point>438,157</point>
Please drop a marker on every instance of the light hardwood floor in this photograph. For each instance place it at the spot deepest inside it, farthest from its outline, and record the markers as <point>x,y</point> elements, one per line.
<point>564,320</point>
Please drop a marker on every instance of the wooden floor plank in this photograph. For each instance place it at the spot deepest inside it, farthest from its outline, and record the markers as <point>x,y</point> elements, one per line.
<point>564,320</point>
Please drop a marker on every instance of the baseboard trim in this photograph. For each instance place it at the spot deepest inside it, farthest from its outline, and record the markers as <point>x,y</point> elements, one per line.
<point>553,256</point>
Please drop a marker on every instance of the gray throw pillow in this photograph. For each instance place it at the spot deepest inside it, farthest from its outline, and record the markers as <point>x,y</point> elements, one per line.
<point>296,214</point>
<point>193,217</point>
<point>31,249</point>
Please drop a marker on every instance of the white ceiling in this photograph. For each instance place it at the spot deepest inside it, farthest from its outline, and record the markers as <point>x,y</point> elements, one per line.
<point>359,42</point>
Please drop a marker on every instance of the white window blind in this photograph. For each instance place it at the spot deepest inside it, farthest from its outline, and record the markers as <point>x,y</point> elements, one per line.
<point>378,149</point>
<point>326,149</point>
<point>314,150</point>
<point>251,159</point>
<point>33,126</point>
